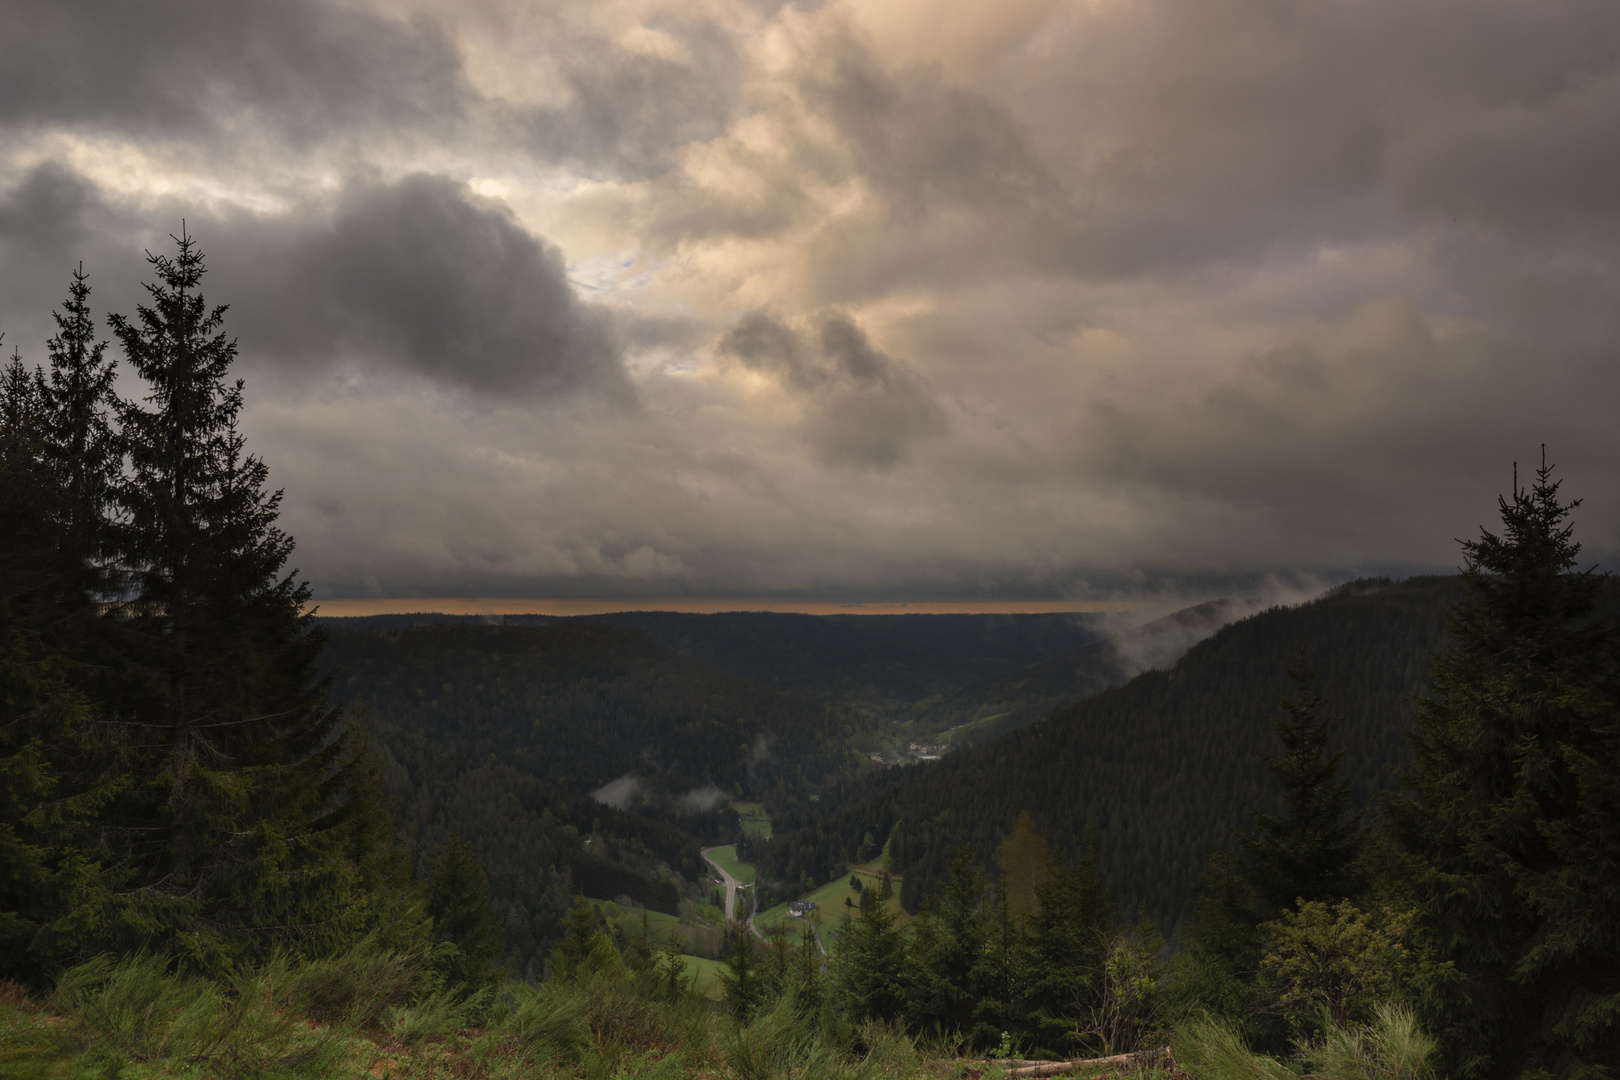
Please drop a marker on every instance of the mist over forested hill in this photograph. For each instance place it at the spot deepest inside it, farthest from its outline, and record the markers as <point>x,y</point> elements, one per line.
<point>1158,770</point>
<point>985,709</point>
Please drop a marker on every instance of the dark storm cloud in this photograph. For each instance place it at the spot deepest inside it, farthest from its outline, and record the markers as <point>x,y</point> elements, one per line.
<point>419,275</point>
<point>862,407</point>
<point>1042,298</point>
<point>303,71</point>
<point>48,212</point>
<point>197,68</point>
<point>51,220</point>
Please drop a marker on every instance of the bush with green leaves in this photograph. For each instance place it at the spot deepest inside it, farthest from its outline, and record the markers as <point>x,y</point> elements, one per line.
<point>1334,961</point>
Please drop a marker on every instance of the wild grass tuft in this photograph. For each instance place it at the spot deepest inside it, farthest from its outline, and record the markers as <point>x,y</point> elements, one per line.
<point>1392,1048</point>
<point>1211,1050</point>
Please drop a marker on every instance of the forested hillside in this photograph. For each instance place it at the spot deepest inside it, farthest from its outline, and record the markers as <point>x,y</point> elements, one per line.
<point>982,710</point>
<point>539,845</point>
<point>887,665</point>
<point>1158,770</point>
<point>891,666</point>
<point>580,706</point>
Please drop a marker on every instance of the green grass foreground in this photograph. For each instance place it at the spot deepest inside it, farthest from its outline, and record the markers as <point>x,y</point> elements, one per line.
<point>367,1014</point>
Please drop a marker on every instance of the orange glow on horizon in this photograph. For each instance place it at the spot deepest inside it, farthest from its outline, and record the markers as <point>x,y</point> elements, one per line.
<point>461,605</point>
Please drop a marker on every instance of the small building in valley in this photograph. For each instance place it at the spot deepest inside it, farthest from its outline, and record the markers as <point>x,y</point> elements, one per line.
<point>800,908</point>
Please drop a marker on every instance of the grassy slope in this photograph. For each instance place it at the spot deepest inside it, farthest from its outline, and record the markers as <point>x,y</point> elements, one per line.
<point>695,939</point>
<point>829,901</point>
<point>727,857</point>
<point>754,820</point>
<point>705,975</point>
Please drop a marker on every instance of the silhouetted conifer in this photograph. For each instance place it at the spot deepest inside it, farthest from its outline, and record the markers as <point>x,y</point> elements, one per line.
<point>1311,851</point>
<point>1069,934</point>
<point>245,832</point>
<point>1508,837</point>
<point>81,445</point>
<point>948,947</point>
<point>58,880</point>
<point>870,967</point>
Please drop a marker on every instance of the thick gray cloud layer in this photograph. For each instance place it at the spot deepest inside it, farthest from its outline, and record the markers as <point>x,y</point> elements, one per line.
<point>197,71</point>
<point>914,297</point>
<point>423,276</point>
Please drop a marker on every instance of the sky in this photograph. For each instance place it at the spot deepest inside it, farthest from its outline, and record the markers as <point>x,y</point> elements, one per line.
<point>1042,300</point>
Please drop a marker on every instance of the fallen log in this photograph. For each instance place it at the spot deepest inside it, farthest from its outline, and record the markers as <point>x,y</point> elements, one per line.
<point>1063,1068</point>
<point>973,1070</point>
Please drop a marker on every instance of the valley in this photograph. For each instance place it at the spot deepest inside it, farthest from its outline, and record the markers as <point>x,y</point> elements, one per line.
<point>626,764</point>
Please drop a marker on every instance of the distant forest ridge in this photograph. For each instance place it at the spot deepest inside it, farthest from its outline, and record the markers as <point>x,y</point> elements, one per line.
<point>667,714</point>
<point>1156,772</point>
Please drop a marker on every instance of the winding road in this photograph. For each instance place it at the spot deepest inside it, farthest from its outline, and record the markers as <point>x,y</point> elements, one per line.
<point>731,894</point>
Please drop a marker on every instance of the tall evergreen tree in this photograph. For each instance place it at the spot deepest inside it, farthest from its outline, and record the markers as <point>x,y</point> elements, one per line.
<point>1311,851</point>
<point>745,982</point>
<point>80,443</point>
<point>458,902</point>
<point>58,881</point>
<point>245,829</point>
<point>870,968</point>
<point>1069,936</point>
<point>1508,839</point>
<point>948,949</point>
<point>584,948</point>
<point>1000,976</point>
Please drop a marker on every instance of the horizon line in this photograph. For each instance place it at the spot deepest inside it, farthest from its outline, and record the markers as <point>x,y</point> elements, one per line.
<point>360,607</point>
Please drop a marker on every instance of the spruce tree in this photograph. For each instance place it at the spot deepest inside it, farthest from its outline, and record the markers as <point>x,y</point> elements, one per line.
<point>1508,837</point>
<point>246,831</point>
<point>1310,852</point>
<point>948,947</point>
<point>870,965</point>
<point>458,903</point>
<point>1068,944</point>
<point>22,417</point>
<point>743,982</point>
<point>80,444</point>
<point>805,973</point>
<point>58,881</point>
